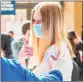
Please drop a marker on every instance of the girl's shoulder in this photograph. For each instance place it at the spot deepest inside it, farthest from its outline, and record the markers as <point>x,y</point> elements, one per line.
<point>51,51</point>
<point>54,51</point>
<point>53,48</point>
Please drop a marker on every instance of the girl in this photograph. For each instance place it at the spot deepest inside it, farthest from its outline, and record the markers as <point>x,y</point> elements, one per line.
<point>49,40</point>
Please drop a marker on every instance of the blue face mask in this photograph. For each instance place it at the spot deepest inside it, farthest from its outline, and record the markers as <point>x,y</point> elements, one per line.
<point>37,29</point>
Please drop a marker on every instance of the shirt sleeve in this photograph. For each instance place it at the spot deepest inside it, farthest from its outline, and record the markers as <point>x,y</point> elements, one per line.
<point>53,75</point>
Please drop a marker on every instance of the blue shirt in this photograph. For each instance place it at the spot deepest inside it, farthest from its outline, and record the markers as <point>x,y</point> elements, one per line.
<point>11,70</point>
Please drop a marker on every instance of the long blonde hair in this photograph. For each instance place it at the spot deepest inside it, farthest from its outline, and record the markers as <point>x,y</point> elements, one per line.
<point>52,26</point>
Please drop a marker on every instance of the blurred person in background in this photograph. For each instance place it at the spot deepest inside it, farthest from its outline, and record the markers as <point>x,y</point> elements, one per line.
<point>76,44</point>
<point>11,33</point>
<point>22,41</point>
<point>77,47</point>
<point>49,40</point>
<point>6,45</point>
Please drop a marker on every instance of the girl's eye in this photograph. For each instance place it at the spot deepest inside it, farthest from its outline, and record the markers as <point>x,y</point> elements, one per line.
<point>36,21</point>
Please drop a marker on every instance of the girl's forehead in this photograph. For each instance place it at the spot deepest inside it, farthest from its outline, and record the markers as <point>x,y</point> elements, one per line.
<point>37,15</point>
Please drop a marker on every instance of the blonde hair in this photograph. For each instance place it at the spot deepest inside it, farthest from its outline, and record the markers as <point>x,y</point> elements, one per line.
<point>52,26</point>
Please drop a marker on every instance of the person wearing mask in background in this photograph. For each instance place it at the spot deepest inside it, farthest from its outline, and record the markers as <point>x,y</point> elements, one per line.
<point>11,33</point>
<point>6,45</point>
<point>50,41</point>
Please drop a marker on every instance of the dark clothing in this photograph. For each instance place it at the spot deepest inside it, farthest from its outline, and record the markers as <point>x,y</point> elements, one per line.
<point>75,72</point>
<point>6,45</point>
<point>77,48</point>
